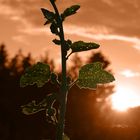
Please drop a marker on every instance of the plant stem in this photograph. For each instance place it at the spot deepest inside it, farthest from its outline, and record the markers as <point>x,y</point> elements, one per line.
<point>64,89</point>
<point>68,55</point>
<point>72,84</point>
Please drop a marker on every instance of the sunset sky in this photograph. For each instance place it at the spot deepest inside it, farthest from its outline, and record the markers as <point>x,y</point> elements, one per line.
<point>115,25</point>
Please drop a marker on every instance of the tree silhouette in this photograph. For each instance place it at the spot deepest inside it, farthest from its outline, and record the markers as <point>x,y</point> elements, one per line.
<point>76,64</point>
<point>99,57</point>
<point>3,62</point>
<point>27,61</point>
<point>87,112</point>
<point>3,56</point>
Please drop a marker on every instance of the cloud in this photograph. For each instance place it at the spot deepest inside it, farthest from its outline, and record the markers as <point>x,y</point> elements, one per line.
<point>94,33</point>
<point>114,15</point>
<point>21,39</point>
<point>101,33</point>
<point>100,20</point>
<point>14,14</point>
<point>109,2</point>
<point>129,73</point>
<point>29,10</point>
<point>35,31</point>
<point>10,13</point>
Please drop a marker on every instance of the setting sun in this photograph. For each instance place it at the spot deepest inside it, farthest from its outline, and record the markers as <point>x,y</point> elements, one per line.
<point>125,98</point>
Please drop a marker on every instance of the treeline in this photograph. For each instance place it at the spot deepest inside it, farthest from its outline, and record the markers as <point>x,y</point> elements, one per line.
<point>88,114</point>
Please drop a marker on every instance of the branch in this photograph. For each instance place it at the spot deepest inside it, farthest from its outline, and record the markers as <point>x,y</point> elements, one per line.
<point>72,84</point>
<point>55,8</point>
<point>68,55</point>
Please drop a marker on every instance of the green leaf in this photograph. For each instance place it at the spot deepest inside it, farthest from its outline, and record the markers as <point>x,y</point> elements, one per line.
<point>70,11</point>
<point>51,111</point>
<point>83,46</point>
<point>92,74</point>
<point>37,74</point>
<point>54,28</point>
<point>49,100</point>
<point>33,107</point>
<point>51,115</point>
<point>54,78</point>
<point>68,44</point>
<point>57,42</point>
<point>47,22</point>
<point>65,137</point>
<point>48,15</point>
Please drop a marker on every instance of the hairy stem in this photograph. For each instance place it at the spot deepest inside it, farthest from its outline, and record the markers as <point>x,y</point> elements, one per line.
<point>64,89</point>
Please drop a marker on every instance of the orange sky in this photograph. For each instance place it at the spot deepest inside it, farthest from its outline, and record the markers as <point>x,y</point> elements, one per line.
<point>113,24</point>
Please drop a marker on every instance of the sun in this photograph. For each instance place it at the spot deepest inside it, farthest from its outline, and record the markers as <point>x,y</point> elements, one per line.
<point>125,98</point>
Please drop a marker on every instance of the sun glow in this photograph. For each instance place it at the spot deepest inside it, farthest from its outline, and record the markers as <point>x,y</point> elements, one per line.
<point>125,98</point>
